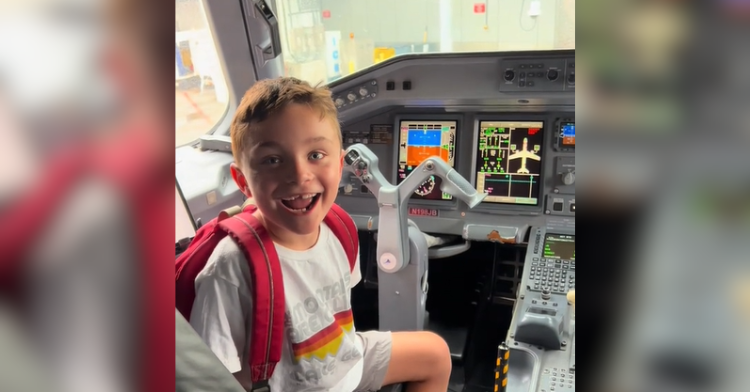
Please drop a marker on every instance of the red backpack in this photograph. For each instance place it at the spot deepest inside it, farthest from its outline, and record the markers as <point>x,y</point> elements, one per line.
<point>265,270</point>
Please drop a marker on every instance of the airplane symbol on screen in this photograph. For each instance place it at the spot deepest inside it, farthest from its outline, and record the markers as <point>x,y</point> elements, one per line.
<point>524,154</point>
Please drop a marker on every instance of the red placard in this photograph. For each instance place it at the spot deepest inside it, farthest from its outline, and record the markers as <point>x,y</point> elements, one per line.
<point>479,8</point>
<point>423,211</point>
<point>326,14</point>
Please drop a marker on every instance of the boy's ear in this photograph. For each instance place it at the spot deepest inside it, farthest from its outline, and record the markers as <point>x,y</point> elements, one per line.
<point>240,179</point>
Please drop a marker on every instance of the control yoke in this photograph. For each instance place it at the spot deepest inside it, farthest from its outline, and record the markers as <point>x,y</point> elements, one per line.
<point>393,232</point>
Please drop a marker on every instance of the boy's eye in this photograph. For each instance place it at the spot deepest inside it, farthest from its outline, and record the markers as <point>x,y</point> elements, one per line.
<point>316,156</point>
<point>271,161</point>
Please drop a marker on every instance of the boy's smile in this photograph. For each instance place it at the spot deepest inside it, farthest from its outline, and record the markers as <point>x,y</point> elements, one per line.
<point>301,204</point>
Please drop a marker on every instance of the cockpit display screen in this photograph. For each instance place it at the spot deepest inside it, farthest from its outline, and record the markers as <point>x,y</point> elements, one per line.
<point>419,140</point>
<point>568,134</point>
<point>557,246</point>
<point>509,161</point>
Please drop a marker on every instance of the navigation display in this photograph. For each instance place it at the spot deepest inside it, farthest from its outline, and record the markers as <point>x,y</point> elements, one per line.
<point>558,246</point>
<point>509,161</point>
<point>419,140</point>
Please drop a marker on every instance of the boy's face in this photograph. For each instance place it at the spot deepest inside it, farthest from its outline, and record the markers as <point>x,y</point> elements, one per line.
<point>293,168</point>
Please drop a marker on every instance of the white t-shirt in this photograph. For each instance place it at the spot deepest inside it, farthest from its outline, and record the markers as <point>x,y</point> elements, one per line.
<point>321,351</point>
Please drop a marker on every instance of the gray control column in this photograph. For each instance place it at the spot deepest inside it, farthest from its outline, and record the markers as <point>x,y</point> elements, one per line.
<point>402,248</point>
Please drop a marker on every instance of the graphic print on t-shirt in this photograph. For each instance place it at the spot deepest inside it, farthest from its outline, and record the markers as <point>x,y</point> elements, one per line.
<point>320,331</point>
<point>317,325</point>
<point>327,341</point>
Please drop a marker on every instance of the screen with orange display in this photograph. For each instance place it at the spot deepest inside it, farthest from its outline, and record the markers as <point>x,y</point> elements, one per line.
<point>419,140</point>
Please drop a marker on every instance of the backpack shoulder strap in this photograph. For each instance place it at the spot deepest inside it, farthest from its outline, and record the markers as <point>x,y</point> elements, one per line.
<point>268,293</point>
<point>345,230</point>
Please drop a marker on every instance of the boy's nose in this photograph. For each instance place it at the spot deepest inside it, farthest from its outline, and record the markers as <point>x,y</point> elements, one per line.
<point>299,172</point>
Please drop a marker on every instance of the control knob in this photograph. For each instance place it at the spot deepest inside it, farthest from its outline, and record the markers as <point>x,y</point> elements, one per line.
<point>572,78</point>
<point>348,188</point>
<point>351,97</point>
<point>569,178</point>
<point>509,75</point>
<point>552,74</point>
<point>546,294</point>
<point>363,91</point>
<point>339,101</point>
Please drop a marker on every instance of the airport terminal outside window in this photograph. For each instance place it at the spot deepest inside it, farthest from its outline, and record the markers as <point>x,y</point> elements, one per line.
<point>324,40</point>
<point>201,95</point>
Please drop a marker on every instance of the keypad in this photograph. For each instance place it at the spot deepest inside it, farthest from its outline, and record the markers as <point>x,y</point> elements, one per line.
<point>555,275</point>
<point>554,379</point>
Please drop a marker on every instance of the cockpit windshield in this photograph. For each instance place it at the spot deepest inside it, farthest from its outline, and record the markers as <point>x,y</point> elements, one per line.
<point>326,40</point>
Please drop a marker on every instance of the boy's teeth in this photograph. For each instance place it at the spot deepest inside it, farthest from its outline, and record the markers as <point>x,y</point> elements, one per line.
<point>299,203</point>
<point>308,196</point>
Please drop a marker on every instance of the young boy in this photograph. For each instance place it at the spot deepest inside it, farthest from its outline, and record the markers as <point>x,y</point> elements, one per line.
<point>289,159</point>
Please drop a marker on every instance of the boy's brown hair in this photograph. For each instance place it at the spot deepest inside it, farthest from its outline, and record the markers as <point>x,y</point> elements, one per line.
<point>268,97</point>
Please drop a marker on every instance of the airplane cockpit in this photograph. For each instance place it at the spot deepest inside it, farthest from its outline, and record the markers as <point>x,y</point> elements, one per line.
<point>459,168</point>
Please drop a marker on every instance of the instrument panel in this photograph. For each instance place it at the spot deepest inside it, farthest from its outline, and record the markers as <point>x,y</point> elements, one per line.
<point>503,121</point>
<point>525,162</point>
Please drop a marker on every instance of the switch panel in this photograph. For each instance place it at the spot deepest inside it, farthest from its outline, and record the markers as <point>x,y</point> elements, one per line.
<point>563,205</point>
<point>356,95</point>
<point>537,75</point>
